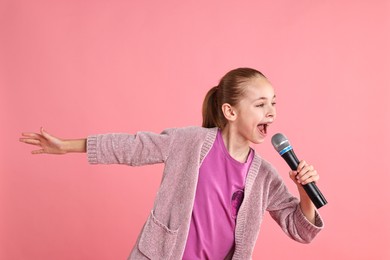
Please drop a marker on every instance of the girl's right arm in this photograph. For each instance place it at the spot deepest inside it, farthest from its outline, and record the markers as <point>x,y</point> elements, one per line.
<point>53,145</point>
<point>116,148</point>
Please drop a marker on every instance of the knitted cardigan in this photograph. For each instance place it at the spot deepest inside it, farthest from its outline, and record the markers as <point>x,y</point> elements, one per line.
<point>182,150</point>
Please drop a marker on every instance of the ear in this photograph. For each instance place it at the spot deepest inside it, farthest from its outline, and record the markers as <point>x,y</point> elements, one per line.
<point>229,112</point>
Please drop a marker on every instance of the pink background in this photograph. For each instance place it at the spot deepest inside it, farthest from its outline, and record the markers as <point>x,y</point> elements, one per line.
<point>86,67</point>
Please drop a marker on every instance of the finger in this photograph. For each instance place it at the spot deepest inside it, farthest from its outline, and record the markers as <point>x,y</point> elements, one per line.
<point>309,177</point>
<point>302,179</point>
<point>293,176</point>
<point>30,141</point>
<point>38,151</point>
<point>301,165</point>
<point>45,134</point>
<point>307,168</point>
<point>32,135</point>
<point>313,178</point>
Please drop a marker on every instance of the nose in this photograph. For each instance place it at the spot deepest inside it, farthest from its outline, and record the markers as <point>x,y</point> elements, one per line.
<point>271,113</point>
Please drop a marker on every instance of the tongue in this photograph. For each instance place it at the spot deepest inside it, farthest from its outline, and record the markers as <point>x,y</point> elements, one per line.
<point>262,128</point>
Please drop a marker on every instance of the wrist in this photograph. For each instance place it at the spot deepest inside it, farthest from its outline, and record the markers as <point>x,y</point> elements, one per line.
<point>304,198</point>
<point>65,146</point>
<point>74,146</point>
<point>307,206</point>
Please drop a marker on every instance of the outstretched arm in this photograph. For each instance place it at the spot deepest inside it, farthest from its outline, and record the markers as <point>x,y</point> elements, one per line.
<point>136,149</point>
<point>53,145</point>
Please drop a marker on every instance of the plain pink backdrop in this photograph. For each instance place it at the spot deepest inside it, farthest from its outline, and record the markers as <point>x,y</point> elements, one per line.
<point>87,67</point>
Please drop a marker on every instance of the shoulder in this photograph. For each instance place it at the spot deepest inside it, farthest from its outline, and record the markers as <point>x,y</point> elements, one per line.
<point>195,139</point>
<point>194,131</point>
<point>266,168</point>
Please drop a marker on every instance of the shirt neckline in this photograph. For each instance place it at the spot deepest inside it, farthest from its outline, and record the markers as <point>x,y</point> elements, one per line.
<point>221,144</point>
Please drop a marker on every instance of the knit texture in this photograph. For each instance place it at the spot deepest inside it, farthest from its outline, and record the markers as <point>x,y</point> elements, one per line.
<point>182,150</point>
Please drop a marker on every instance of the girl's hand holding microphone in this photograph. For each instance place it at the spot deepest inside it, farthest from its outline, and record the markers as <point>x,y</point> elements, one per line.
<point>53,145</point>
<point>304,174</point>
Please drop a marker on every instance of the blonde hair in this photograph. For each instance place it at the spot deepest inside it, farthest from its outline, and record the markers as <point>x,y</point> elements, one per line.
<point>229,90</point>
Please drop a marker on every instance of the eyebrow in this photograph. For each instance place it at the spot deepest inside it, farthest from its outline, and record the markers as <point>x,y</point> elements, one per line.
<point>263,98</point>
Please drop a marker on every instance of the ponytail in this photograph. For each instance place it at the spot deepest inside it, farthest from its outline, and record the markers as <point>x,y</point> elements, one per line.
<point>210,109</point>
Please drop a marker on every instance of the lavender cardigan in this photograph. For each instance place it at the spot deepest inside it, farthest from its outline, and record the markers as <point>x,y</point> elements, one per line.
<point>182,150</point>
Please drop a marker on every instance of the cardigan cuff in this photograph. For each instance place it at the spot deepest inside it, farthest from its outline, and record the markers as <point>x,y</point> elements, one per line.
<point>318,225</point>
<point>310,230</point>
<point>92,149</point>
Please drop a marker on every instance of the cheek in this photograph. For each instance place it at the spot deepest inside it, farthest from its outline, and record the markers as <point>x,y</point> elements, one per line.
<point>260,114</point>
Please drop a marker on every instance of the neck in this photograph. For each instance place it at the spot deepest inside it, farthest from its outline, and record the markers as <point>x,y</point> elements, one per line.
<point>237,146</point>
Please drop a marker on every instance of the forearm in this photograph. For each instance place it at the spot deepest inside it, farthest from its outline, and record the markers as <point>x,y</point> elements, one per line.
<point>307,206</point>
<point>75,146</point>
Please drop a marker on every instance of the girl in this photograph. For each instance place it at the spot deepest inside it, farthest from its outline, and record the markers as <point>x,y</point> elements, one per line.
<point>215,188</point>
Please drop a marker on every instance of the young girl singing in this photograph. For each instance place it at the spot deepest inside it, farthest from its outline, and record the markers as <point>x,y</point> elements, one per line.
<point>215,188</point>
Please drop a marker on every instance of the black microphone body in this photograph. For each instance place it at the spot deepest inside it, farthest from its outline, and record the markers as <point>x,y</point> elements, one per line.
<point>286,151</point>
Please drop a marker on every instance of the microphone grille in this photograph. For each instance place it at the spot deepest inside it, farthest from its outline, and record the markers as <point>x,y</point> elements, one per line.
<point>280,142</point>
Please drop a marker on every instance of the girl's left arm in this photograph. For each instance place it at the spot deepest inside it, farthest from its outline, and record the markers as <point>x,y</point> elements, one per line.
<point>305,174</point>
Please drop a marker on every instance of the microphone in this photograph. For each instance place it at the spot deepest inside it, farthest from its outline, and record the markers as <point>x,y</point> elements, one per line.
<point>283,147</point>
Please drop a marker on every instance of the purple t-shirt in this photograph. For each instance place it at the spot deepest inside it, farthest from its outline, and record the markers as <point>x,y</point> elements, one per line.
<point>219,194</point>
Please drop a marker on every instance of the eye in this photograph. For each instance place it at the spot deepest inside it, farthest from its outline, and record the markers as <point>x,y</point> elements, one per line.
<point>261,105</point>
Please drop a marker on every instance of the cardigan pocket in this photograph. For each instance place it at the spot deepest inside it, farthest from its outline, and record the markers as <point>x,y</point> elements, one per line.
<point>157,240</point>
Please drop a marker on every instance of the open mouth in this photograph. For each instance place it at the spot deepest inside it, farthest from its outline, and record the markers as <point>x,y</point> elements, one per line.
<point>262,128</point>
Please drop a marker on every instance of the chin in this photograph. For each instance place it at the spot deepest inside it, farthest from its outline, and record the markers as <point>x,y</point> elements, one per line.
<point>256,141</point>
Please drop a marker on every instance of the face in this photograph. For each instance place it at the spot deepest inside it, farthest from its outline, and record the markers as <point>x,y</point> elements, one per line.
<point>256,110</point>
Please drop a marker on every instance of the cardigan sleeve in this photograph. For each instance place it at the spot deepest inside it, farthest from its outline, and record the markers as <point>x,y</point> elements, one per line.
<point>136,149</point>
<point>284,208</point>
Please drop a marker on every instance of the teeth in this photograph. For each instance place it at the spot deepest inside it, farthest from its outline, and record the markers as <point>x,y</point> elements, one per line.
<point>262,128</point>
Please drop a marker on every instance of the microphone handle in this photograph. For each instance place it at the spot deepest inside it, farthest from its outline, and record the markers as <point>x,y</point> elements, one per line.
<point>311,188</point>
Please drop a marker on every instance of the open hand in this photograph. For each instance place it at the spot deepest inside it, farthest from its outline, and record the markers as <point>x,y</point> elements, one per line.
<point>48,143</point>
